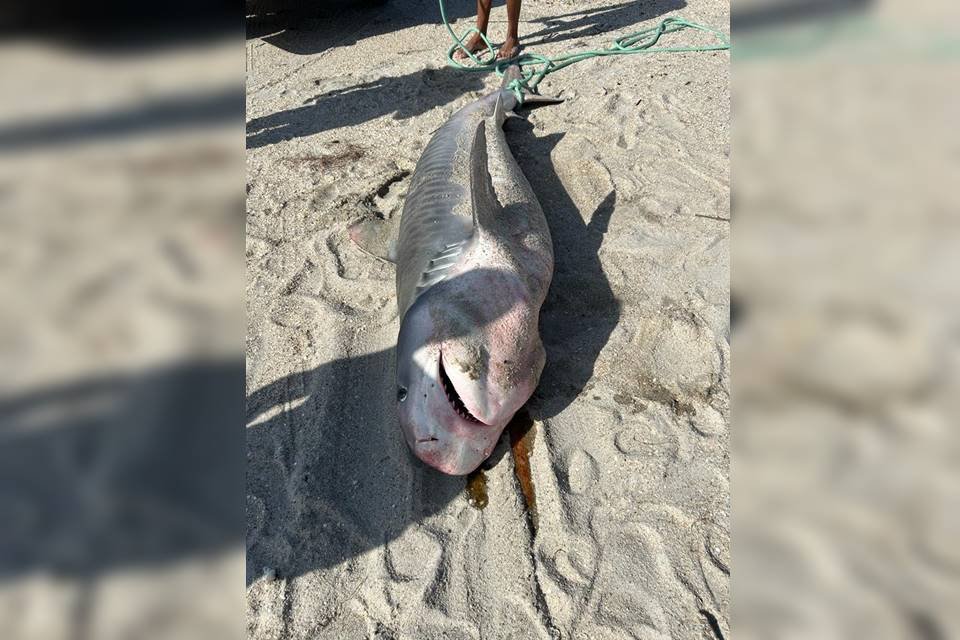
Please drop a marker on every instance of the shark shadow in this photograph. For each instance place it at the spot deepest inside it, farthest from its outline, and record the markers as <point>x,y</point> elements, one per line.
<point>580,311</point>
<point>329,475</point>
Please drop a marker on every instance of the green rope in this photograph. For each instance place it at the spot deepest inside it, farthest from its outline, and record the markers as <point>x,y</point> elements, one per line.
<point>535,67</point>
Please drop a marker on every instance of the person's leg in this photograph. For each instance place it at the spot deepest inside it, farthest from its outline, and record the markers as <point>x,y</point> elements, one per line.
<point>511,45</point>
<point>475,42</point>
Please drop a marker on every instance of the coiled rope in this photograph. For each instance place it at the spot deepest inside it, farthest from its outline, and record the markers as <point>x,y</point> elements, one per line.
<point>534,67</point>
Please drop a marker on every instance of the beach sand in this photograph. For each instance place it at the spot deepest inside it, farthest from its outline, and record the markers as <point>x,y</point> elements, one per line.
<point>348,536</point>
<point>121,451</point>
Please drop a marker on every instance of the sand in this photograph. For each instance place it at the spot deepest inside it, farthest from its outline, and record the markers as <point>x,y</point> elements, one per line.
<point>121,457</point>
<point>348,535</point>
<point>846,341</point>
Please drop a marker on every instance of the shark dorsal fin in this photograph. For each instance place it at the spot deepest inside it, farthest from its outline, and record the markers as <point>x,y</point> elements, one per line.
<point>482,194</point>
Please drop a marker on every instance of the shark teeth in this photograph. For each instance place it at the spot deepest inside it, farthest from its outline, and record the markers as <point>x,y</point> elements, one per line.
<point>454,398</point>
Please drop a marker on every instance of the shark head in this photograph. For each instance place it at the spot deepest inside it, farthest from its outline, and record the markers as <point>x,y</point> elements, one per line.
<point>468,357</point>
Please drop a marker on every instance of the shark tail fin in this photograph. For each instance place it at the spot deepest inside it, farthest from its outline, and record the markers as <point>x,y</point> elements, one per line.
<point>512,73</point>
<point>530,100</point>
<point>499,111</point>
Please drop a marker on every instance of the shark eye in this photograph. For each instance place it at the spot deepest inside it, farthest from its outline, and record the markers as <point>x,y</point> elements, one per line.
<point>401,394</point>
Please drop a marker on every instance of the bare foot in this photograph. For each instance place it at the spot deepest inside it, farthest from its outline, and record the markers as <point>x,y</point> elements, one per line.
<point>509,49</point>
<point>474,44</point>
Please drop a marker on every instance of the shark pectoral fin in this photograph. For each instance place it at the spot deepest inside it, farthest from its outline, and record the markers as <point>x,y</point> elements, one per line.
<point>482,194</point>
<point>376,237</point>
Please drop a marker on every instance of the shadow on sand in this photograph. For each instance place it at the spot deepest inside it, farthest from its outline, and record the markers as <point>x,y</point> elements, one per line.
<point>416,93</point>
<point>403,96</point>
<point>309,28</point>
<point>306,28</point>
<point>328,478</point>
<point>580,311</point>
<point>583,23</point>
<point>106,473</point>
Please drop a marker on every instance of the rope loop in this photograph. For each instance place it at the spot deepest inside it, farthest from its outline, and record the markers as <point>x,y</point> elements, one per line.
<point>534,67</point>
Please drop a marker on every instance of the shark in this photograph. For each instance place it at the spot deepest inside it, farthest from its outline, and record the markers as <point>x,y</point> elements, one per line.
<point>474,260</point>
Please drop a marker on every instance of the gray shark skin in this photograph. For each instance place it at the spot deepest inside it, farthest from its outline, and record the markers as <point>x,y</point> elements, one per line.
<point>474,261</point>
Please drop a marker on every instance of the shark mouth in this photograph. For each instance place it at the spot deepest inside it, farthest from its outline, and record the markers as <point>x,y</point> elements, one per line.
<point>454,398</point>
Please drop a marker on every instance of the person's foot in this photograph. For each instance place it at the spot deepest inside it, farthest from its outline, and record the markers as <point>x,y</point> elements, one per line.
<point>474,44</point>
<point>509,49</point>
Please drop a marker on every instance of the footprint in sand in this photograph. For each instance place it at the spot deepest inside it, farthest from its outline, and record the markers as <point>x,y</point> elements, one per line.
<point>592,631</point>
<point>708,422</point>
<point>336,278</point>
<point>582,472</point>
<point>718,547</point>
<point>715,563</point>
<point>346,625</point>
<point>413,555</point>
<point>440,633</point>
<point>576,562</point>
<point>645,436</point>
<point>515,619</point>
<point>634,610</point>
<point>294,312</point>
<point>678,359</point>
